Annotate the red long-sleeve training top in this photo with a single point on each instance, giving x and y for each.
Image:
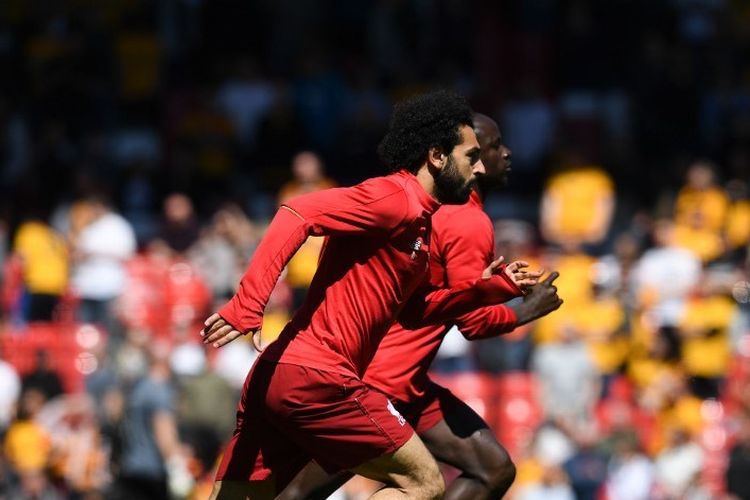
(463, 243)
(376, 256)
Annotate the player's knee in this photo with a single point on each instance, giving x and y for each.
(431, 482)
(502, 476)
(499, 472)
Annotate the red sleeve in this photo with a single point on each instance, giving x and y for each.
(468, 248)
(487, 322)
(464, 242)
(377, 204)
(435, 306)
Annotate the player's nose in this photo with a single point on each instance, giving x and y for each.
(507, 153)
(478, 168)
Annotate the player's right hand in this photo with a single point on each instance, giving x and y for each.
(217, 331)
(540, 300)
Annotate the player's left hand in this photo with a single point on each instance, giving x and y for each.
(217, 331)
(522, 277)
(493, 269)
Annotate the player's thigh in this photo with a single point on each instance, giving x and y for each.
(240, 490)
(409, 467)
(463, 439)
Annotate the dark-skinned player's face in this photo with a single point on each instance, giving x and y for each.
(496, 156)
(454, 182)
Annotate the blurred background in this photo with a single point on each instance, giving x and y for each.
(145, 145)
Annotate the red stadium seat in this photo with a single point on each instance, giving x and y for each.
(518, 413)
(474, 389)
(66, 344)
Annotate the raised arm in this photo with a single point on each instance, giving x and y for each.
(375, 205)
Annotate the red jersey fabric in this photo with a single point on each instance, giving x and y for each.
(375, 258)
(463, 243)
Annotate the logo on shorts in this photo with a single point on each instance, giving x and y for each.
(416, 246)
(395, 413)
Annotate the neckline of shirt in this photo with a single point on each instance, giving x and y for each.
(428, 202)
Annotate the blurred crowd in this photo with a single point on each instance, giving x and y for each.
(144, 145)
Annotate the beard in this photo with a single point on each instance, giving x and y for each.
(450, 186)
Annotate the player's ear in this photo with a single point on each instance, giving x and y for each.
(436, 157)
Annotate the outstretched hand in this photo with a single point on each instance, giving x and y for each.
(217, 331)
(522, 278)
(540, 300)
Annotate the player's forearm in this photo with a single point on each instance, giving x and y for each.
(487, 322)
(439, 306)
(286, 233)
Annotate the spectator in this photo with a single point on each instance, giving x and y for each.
(737, 229)
(223, 248)
(179, 226)
(569, 380)
(577, 206)
(587, 469)
(309, 176)
(738, 469)
(77, 456)
(10, 390)
(151, 463)
(664, 275)
(704, 331)
(631, 473)
(43, 379)
(701, 198)
(44, 259)
(576, 269)
(101, 241)
(27, 444)
(554, 485)
(678, 466)
(604, 329)
(700, 212)
(206, 400)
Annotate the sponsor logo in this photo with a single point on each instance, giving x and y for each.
(416, 246)
(395, 413)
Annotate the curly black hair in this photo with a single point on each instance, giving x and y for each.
(421, 122)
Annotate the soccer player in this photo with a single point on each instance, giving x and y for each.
(462, 244)
(304, 398)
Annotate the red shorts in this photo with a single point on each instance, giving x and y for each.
(426, 412)
(290, 414)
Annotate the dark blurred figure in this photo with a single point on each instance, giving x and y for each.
(308, 176)
(43, 378)
(179, 226)
(738, 470)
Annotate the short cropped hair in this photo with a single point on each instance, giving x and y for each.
(420, 123)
